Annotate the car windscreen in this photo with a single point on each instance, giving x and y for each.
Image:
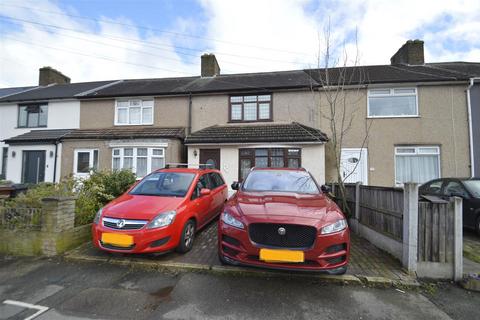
(167, 184)
(280, 181)
(473, 186)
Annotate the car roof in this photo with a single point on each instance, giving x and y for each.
(188, 170)
(282, 169)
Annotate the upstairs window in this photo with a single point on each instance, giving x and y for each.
(395, 102)
(134, 112)
(251, 108)
(32, 116)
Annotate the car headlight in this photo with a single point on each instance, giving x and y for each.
(227, 218)
(98, 215)
(162, 220)
(335, 227)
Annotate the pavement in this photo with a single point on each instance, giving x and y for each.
(77, 291)
(368, 264)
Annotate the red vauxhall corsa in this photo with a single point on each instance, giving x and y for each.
(281, 219)
(161, 212)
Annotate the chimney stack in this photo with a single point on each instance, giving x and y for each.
(210, 67)
(48, 75)
(410, 53)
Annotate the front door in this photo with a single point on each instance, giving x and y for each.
(33, 167)
(353, 166)
(210, 157)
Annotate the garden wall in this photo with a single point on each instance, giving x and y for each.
(48, 230)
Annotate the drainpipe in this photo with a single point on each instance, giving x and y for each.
(470, 126)
(189, 128)
(55, 163)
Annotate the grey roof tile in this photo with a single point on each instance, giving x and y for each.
(36, 136)
(274, 132)
(126, 133)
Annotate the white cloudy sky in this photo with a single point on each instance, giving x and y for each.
(90, 40)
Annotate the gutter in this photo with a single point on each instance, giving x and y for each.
(470, 125)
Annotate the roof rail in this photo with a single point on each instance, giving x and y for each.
(189, 165)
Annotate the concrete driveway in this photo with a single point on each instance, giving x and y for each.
(108, 291)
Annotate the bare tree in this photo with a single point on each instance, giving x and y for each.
(341, 91)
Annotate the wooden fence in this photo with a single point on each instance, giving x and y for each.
(380, 208)
(435, 231)
(425, 235)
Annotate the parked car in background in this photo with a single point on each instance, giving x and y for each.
(279, 218)
(467, 188)
(161, 212)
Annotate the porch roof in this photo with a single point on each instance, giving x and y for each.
(126, 133)
(39, 136)
(253, 133)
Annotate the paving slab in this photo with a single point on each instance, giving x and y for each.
(366, 261)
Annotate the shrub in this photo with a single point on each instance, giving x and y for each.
(99, 189)
(32, 198)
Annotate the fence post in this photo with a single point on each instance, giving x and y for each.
(410, 226)
(357, 200)
(458, 240)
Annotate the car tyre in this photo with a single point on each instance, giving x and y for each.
(222, 260)
(188, 235)
(477, 226)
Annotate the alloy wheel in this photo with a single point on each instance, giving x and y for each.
(189, 234)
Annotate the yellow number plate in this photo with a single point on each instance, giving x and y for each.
(121, 240)
(268, 255)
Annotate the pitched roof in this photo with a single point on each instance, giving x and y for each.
(395, 73)
(39, 136)
(261, 81)
(126, 133)
(55, 91)
(9, 91)
(287, 132)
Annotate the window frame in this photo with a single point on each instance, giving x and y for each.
(230, 104)
(130, 106)
(91, 159)
(134, 157)
(27, 125)
(393, 94)
(416, 153)
(252, 157)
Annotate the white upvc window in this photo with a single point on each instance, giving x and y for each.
(140, 160)
(392, 102)
(85, 161)
(134, 112)
(416, 164)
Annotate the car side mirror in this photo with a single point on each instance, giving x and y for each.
(204, 192)
(235, 185)
(325, 189)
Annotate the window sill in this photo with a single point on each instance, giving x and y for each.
(30, 127)
(249, 121)
(392, 117)
(131, 124)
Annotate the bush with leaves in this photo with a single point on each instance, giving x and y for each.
(32, 198)
(99, 189)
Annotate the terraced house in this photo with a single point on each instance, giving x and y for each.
(413, 121)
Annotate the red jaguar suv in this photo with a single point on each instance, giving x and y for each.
(161, 212)
(280, 218)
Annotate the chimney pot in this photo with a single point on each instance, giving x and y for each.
(48, 75)
(410, 53)
(210, 67)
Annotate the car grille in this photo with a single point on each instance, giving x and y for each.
(114, 247)
(296, 236)
(117, 224)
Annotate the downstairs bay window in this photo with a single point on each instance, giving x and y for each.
(416, 164)
(140, 160)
